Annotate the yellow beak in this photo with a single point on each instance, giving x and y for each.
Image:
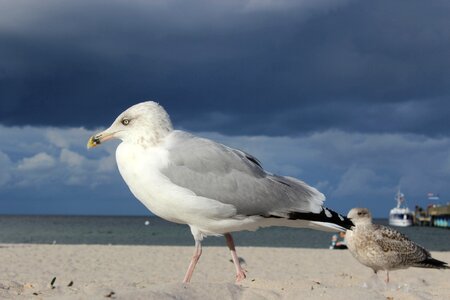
(97, 139)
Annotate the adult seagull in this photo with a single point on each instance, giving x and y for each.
(212, 188)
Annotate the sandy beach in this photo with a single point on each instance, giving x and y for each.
(155, 272)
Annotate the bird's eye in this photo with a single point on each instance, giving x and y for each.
(125, 121)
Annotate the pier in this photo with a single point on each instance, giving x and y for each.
(435, 215)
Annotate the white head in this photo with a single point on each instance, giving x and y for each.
(145, 123)
(360, 216)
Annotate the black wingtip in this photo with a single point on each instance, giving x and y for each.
(433, 263)
(326, 215)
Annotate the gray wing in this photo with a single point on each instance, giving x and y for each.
(234, 177)
(398, 246)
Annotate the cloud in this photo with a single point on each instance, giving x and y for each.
(5, 165)
(40, 161)
(237, 67)
(359, 181)
(48, 170)
(72, 159)
(36, 156)
(351, 96)
(307, 7)
(351, 169)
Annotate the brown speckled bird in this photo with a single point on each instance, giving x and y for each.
(383, 248)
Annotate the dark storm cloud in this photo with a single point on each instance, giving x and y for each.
(238, 67)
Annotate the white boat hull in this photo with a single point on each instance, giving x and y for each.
(401, 217)
(400, 222)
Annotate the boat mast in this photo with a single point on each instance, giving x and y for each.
(400, 198)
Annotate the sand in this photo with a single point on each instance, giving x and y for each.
(155, 272)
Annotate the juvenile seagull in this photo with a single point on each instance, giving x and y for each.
(382, 248)
(213, 188)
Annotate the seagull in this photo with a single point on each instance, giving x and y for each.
(382, 248)
(213, 188)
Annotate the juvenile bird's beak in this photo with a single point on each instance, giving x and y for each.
(99, 138)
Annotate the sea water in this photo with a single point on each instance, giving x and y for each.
(143, 230)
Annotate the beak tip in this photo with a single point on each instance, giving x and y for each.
(91, 143)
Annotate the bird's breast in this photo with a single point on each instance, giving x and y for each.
(140, 170)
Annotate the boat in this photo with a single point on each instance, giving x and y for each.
(401, 215)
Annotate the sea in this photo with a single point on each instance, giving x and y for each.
(145, 230)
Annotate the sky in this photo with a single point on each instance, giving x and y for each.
(350, 96)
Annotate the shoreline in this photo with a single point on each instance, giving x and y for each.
(8, 245)
(156, 272)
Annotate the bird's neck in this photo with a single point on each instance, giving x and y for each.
(153, 138)
(150, 136)
(363, 225)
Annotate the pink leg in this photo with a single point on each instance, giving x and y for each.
(194, 260)
(240, 272)
(387, 276)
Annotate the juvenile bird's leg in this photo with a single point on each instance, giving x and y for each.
(387, 276)
(240, 272)
(194, 260)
